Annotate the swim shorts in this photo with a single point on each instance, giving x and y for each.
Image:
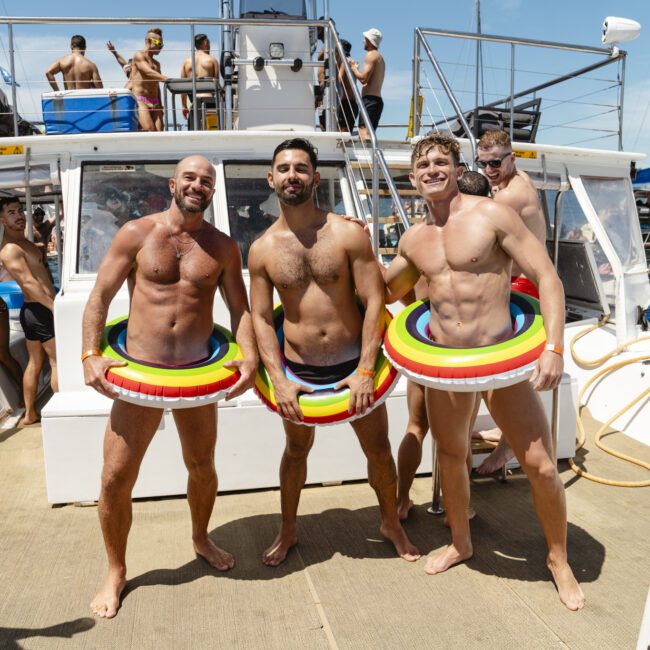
(323, 374)
(37, 322)
(523, 284)
(374, 106)
(347, 113)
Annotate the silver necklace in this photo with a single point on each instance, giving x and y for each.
(174, 239)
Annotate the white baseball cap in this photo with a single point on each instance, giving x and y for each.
(374, 36)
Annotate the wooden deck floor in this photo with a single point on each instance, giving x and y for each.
(341, 588)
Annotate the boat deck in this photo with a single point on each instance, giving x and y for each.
(342, 587)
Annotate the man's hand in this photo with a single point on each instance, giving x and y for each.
(111, 47)
(548, 371)
(247, 369)
(95, 368)
(186, 112)
(362, 392)
(286, 399)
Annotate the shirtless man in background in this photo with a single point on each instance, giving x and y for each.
(464, 249)
(371, 78)
(315, 260)
(145, 81)
(79, 72)
(205, 64)
(23, 260)
(513, 188)
(174, 262)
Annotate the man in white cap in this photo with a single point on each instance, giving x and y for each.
(371, 78)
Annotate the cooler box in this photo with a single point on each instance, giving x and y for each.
(96, 110)
(10, 292)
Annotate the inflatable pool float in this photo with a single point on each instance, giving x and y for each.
(150, 384)
(325, 405)
(409, 348)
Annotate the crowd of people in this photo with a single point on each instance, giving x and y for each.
(144, 76)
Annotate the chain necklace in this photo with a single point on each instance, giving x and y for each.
(174, 238)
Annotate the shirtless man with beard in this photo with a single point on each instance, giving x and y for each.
(513, 188)
(174, 262)
(464, 249)
(316, 260)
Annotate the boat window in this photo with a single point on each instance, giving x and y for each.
(265, 8)
(613, 201)
(253, 206)
(111, 195)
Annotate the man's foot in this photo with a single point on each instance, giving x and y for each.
(471, 513)
(107, 601)
(497, 459)
(403, 508)
(397, 536)
(277, 552)
(489, 435)
(567, 586)
(26, 420)
(216, 557)
(446, 559)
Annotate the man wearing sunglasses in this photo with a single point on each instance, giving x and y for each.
(145, 80)
(511, 187)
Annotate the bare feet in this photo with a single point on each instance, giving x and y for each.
(107, 601)
(489, 435)
(277, 552)
(446, 559)
(26, 420)
(397, 536)
(403, 508)
(567, 586)
(216, 557)
(471, 513)
(497, 459)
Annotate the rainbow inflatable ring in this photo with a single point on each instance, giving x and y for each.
(325, 405)
(409, 348)
(149, 384)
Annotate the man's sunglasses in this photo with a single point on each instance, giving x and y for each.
(495, 164)
(155, 41)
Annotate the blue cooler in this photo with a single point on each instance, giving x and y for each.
(10, 292)
(96, 110)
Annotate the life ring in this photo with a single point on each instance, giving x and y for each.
(325, 405)
(150, 384)
(487, 367)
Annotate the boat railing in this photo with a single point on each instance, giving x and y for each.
(586, 106)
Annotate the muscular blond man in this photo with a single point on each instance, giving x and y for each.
(174, 262)
(316, 261)
(371, 78)
(205, 66)
(24, 261)
(512, 187)
(145, 81)
(465, 249)
(79, 72)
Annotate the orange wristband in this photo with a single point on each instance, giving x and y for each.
(553, 347)
(90, 353)
(366, 373)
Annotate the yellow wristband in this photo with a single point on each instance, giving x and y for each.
(90, 353)
(366, 373)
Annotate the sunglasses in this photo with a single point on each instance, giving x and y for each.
(495, 164)
(155, 41)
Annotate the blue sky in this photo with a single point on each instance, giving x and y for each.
(578, 21)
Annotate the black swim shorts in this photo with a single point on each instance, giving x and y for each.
(346, 114)
(323, 374)
(37, 322)
(374, 105)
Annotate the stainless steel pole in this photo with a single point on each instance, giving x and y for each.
(12, 68)
(195, 108)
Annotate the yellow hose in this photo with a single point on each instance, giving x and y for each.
(601, 374)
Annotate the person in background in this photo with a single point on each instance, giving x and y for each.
(371, 78)
(79, 72)
(126, 65)
(347, 107)
(145, 81)
(24, 262)
(205, 66)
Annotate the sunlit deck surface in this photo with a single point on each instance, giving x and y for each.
(342, 587)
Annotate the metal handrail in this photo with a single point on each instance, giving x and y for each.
(378, 159)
